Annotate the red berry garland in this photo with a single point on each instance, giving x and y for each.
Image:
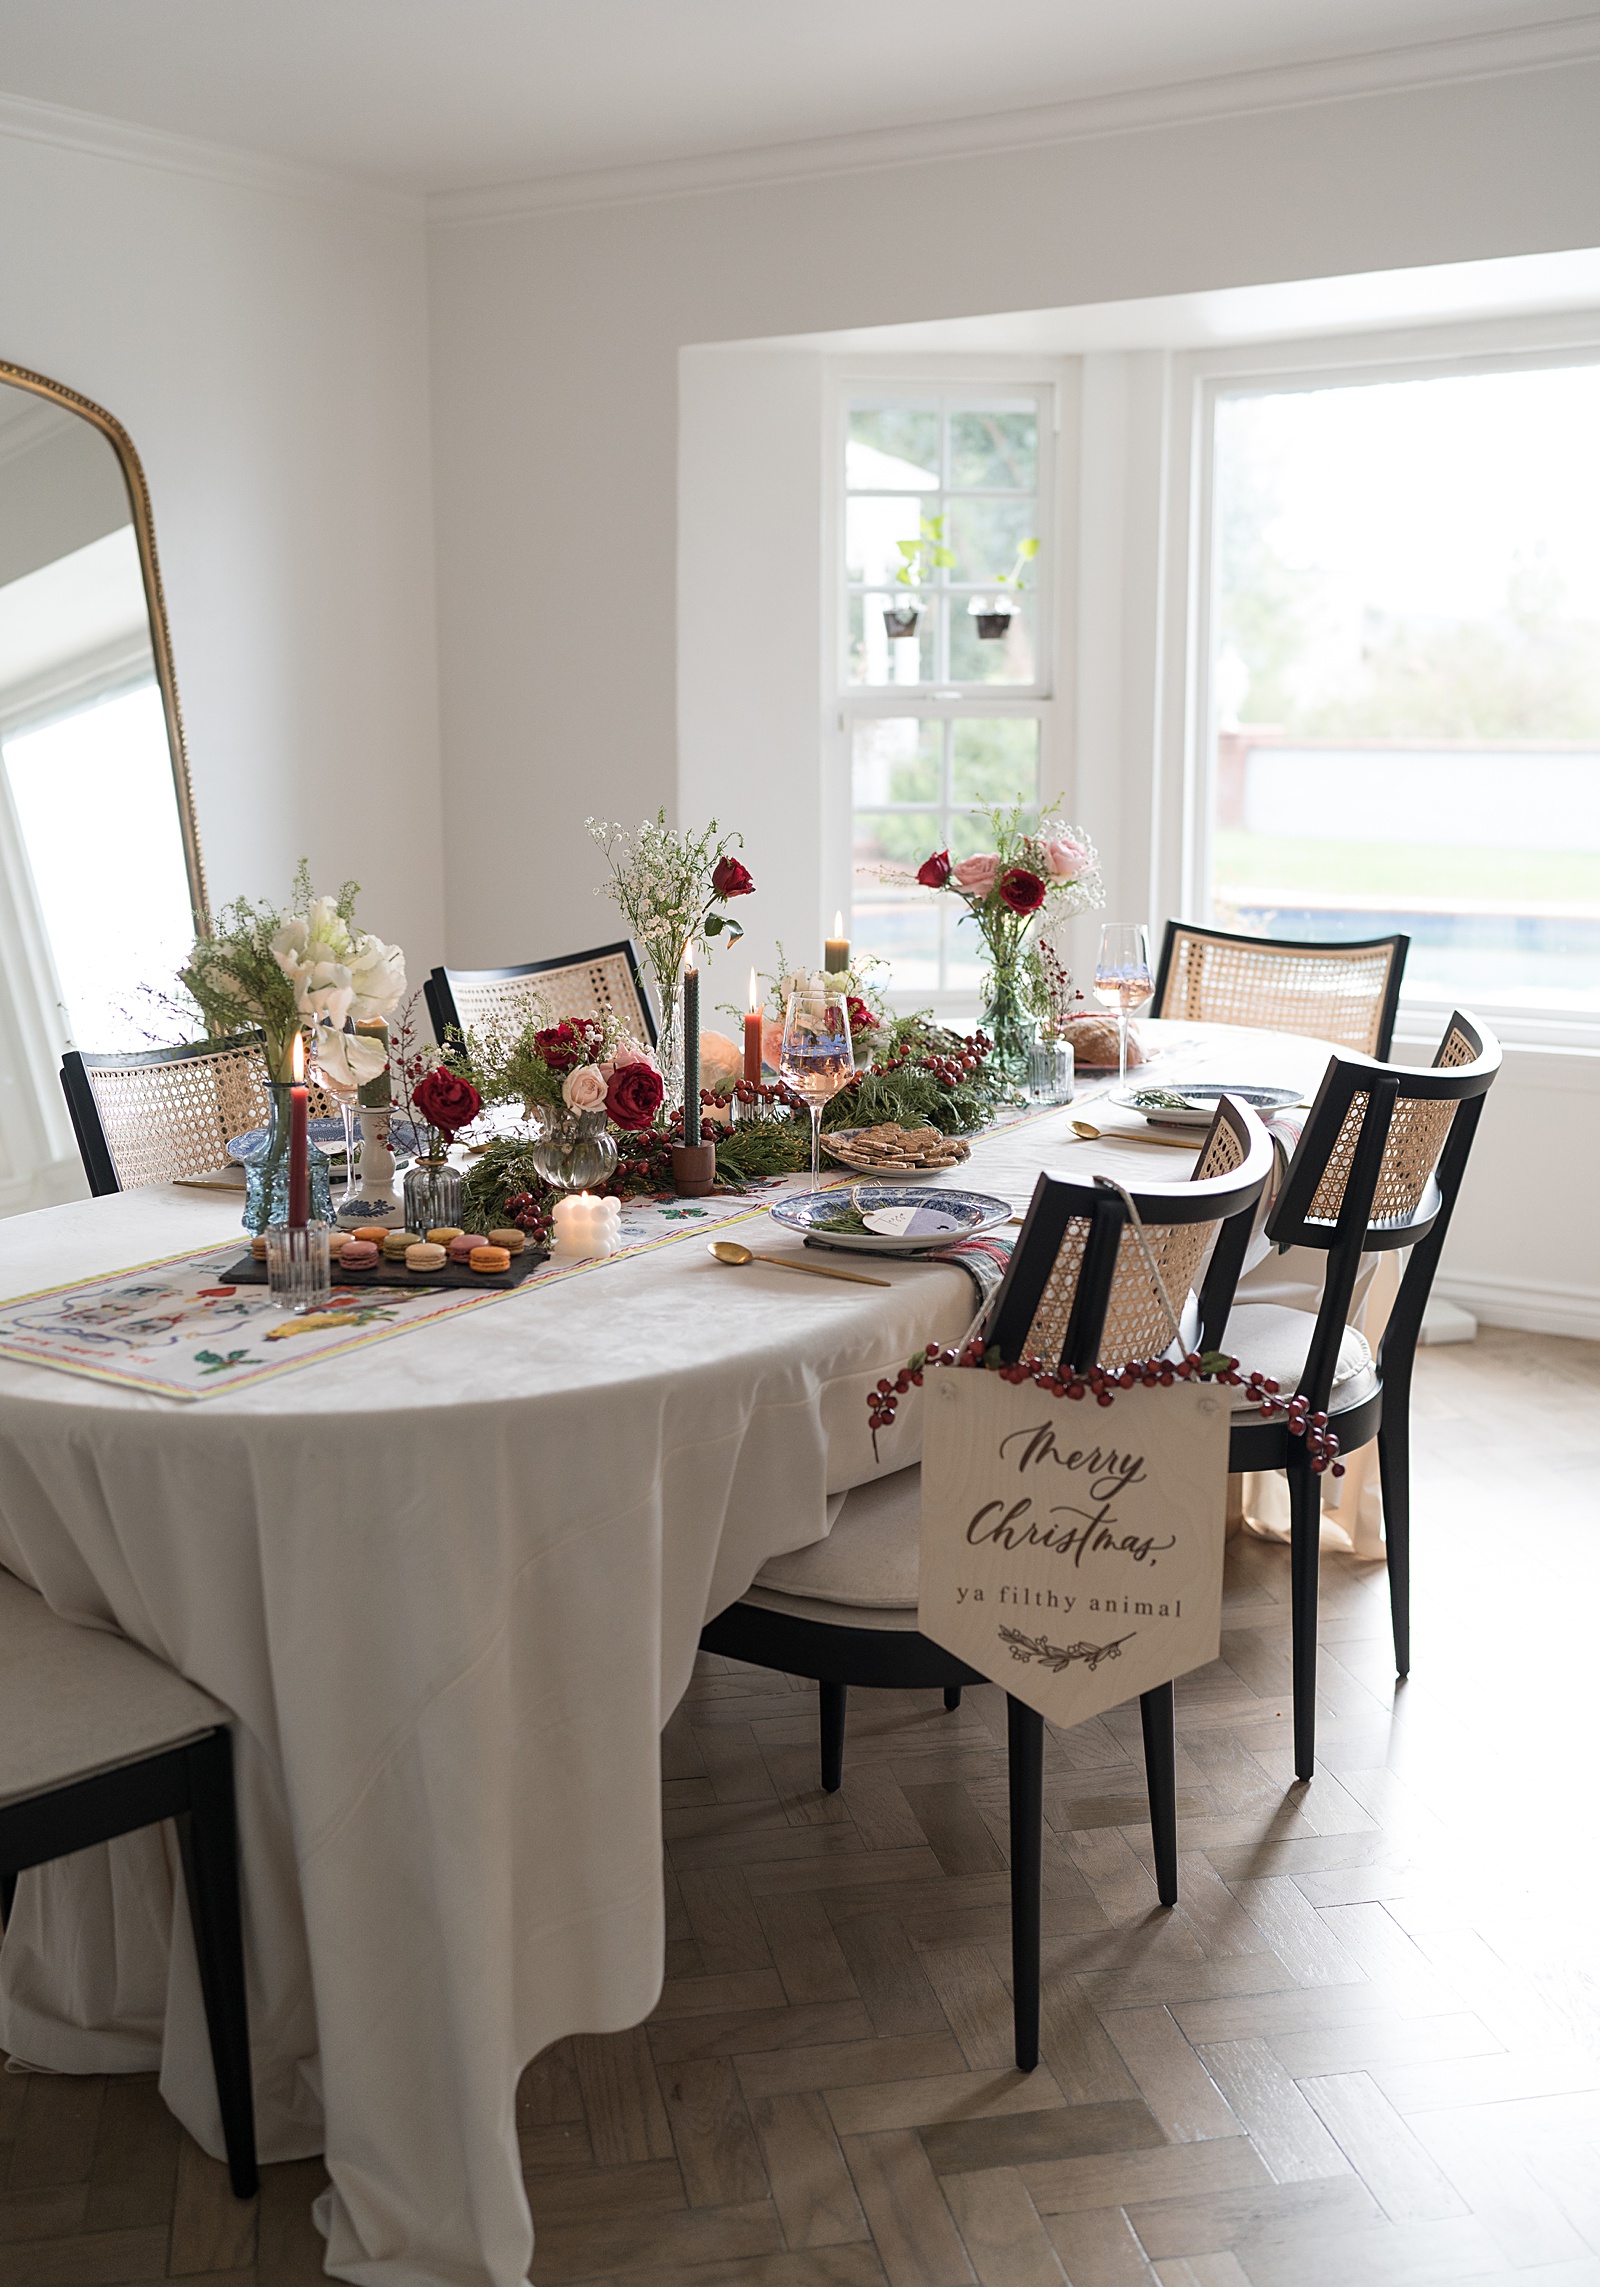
(1322, 1443)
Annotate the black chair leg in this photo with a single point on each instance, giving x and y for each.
(1157, 1714)
(952, 1697)
(1394, 1475)
(831, 1700)
(1305, 1548)
(1025, 1745)
(208, 1838)
(8, 1892)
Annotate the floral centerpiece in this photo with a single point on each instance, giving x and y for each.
(671, 886)
(1038, 866)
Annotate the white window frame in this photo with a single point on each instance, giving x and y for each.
(1047, 700)
(1181, 858)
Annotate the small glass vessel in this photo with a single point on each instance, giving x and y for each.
(298, 1275)
(573, 1150)
(266, 1171)
(432, 1193)
(1050, 1069)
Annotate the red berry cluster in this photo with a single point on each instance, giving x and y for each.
(776, 1092)
(528, 1215)
(1322, 1444)
(950, 1067)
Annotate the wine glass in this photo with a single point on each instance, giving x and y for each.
(329, 1067)
(816, 1057)
(1123, 979)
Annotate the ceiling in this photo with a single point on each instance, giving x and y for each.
(441, 95)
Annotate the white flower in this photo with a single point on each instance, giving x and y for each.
(347, 1059)
(378, 974)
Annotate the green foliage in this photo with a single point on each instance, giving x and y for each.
(237, 984)
(1026, 551)
(924, 1076)
(761, 1148)
(924, 555)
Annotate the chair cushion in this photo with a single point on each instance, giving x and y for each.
(869, 1558)
(74, 1701)
(1269, 1338)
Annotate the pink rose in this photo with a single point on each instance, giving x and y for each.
(1065, 859)
(976, 875)
(584, 1090)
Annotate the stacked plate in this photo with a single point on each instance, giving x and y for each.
(897, 1218)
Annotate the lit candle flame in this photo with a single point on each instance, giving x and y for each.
(838, 925)
(755, 998)
(297, 1058)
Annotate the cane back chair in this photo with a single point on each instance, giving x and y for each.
(844, 1609)
(167, 1112)
(97, 1739)
(602, 982)
(1346, 993)
(1378, 1165)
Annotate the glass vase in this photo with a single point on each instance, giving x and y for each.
(1004, 1018)
(432, 1194)
(574, 1150)
(266, 1170)
(669, 1047)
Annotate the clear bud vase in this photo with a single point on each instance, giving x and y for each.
(266, 1171)
(432, 1193)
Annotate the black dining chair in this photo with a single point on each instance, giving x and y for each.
(604, 981)
(163, 1113)
(1378, 1166)
(1345, 992)
(97, 1738)
(843, 1609)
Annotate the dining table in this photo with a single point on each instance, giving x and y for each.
(450, 1587)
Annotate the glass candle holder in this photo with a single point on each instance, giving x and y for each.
(297, 1267)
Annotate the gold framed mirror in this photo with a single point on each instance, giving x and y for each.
(102, 888)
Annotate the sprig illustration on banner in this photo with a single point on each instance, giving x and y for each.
(1102, 1384)
(1054, 1657)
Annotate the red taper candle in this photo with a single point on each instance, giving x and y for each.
(752, 1034)
(299, 1104)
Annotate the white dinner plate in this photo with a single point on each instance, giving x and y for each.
(1191, 1103)
(958, 1215)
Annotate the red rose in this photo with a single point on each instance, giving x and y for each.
(934, 872)
(861, 1017)
(566, 1045)
(633, 1095)
(446, 1101)
(1021, 890)
(731, 879)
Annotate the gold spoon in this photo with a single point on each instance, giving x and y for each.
(1086, 1134)
(730, 1251)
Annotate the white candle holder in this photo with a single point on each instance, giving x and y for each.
(298, 1277)
(586, 1226)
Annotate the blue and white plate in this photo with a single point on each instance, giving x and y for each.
(932, 1217)
(1191, 1103)
(328, 1136)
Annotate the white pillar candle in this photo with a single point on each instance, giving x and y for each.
(585, 1226)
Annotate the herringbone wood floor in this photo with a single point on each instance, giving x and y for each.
(1366, 2047)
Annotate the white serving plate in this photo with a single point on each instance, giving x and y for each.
(973, 1212)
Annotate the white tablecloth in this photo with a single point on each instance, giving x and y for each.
(451, 1585)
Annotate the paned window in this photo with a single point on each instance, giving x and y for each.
(944, 673)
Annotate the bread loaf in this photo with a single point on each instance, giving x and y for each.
(1094, 1043)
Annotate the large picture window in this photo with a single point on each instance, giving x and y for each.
(1405, 675)
(944, 673)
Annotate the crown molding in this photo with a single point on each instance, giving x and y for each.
(1489, 55)
(24, 120)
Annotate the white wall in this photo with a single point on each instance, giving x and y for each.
(267, 354)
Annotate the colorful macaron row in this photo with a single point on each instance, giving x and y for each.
(363, 1248)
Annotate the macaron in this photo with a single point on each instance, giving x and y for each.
(358, 1255)
(512, 1241)
(444, 1234)
(395, 1244)
(258, 1247)
(376, 1232)
(425, 1256)
(490, 1259)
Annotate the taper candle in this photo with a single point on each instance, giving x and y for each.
(299, 1102)
(752, 1033)
(836, 949)
(691, 1049)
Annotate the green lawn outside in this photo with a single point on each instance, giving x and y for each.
(1242, 861)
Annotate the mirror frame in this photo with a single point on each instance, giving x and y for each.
(57, 393)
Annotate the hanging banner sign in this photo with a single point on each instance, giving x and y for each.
(1073, 1552)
